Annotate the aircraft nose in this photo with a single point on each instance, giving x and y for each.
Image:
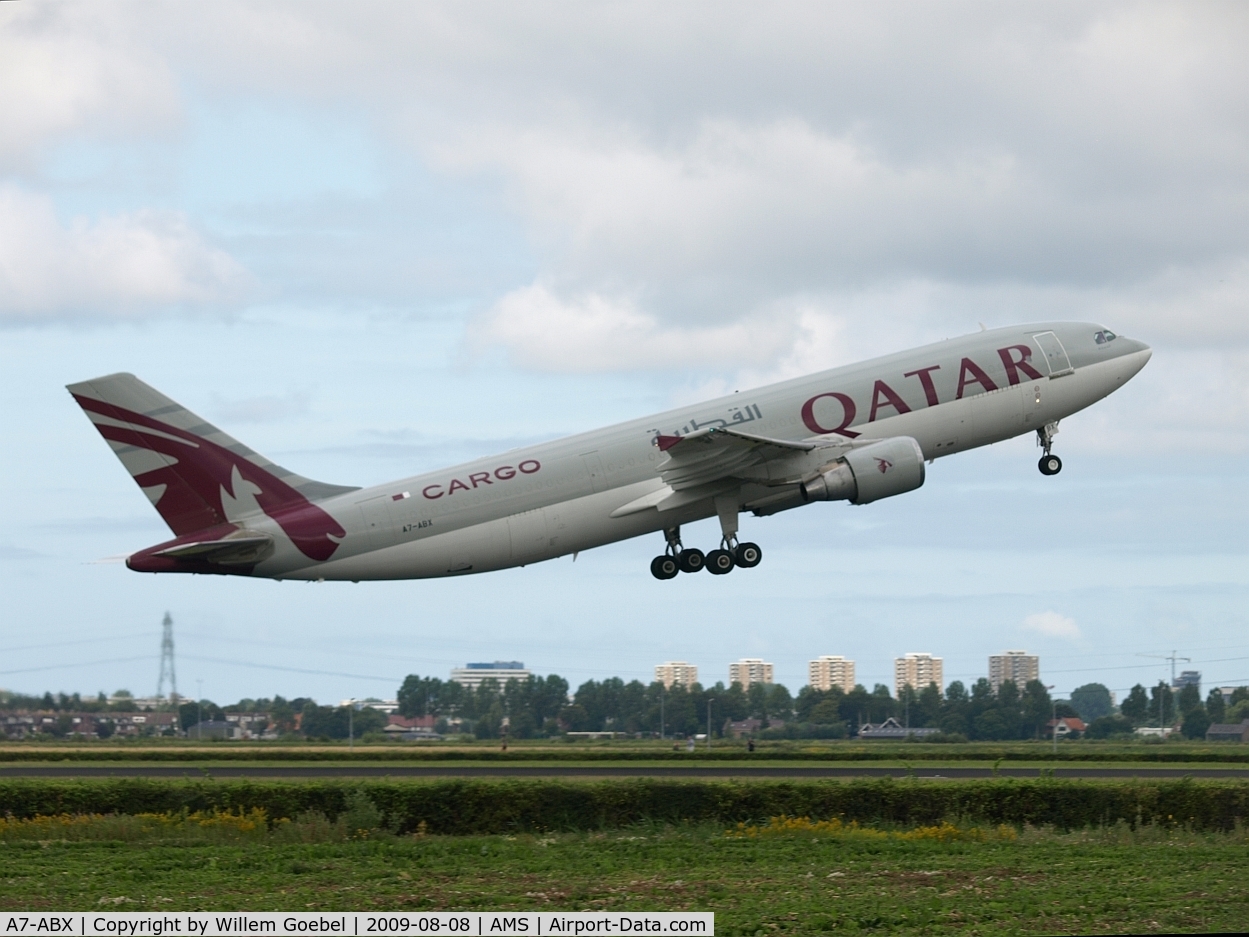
(1133, 356)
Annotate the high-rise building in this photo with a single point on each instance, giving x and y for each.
(471, 676)
(827, 671)
(676, 671)
(916, 670)
(750, 670)
(1018, 666)
(1186, 678)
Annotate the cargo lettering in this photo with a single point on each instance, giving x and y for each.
(503, 473)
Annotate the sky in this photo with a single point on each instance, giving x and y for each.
(374, 239)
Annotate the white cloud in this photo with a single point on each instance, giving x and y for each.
(1032, 149)
(779, 194)
(66, 68)
(561, 330)
(591, 332)
(1052, 625)
(121, 265)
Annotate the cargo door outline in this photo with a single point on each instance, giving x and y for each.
(1054, 353)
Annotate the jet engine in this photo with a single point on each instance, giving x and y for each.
(868, 473)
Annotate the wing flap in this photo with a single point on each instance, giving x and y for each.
(714, 454)
(665, 499)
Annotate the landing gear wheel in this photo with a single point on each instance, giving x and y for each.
(720, 562)
(747, 555)
(691, 560)
(664, 567)
(1050, 465)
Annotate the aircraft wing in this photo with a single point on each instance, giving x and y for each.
(715, 460)
(712, 454)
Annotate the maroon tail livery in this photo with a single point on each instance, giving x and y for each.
(198, 477)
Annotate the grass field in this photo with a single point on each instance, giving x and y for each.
(653, 751)
(207, 765)
(801, 878)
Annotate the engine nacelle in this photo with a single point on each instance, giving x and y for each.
(883, 469)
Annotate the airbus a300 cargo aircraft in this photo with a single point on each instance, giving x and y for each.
(857, 433)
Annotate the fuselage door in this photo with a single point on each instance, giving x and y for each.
(378, 525)
(1055, 354)
(594, 469)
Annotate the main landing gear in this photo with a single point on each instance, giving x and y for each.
(1049, 464)
(678, 559)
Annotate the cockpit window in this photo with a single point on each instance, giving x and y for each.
(1103, 337)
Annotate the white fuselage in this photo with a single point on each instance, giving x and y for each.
(557, 498)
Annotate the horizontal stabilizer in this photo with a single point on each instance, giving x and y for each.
(248, 549)
(214, 550)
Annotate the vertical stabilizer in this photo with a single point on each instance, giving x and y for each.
(197, 476)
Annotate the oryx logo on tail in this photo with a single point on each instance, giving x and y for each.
(197, 477)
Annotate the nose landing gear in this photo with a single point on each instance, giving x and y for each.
(1049, 464)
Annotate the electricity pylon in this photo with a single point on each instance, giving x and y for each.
(1172, 658)
(166, 662)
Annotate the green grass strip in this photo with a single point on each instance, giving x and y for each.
(1075, 752)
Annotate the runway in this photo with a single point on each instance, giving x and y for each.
(725, 772)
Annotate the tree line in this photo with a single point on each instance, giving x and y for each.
(541, 707)
(1163, 706)
(67, 702)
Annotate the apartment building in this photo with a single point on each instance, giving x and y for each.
(828, 671)
(676, 671)
(917, 670)
(1019, 666)
(750, 670)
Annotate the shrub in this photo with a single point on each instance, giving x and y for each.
(947, 737)
(361, 815)
(1105, 727)
(805, 730)
(464, 806)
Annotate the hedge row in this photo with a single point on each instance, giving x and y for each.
(487, 806)
(1216, 753)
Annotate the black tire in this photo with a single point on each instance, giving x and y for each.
(1050, 465)
(691, 561)
(747, 555)
(664, 567)
(720, 562)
